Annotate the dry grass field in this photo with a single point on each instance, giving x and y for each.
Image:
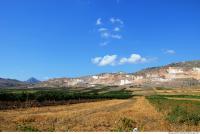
(106, 115)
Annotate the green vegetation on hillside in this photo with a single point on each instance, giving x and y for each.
(187, 64)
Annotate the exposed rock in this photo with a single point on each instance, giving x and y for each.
(178, 74)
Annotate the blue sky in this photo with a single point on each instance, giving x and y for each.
(70, 38)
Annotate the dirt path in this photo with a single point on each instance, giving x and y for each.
(146, 116)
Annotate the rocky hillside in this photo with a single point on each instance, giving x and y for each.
(175, 74)
(10, 83)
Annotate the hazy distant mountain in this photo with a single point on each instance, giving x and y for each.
(175, 74)
(10, 83)
(4, 83)
(32, 80)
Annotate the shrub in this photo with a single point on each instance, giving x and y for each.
(181, 115)
(178, 114)
(163, 88)
(27, 128)
(126, 125)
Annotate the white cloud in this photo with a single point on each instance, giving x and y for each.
(96, 60)
(116, 29)
(119, 21)
(116, 36)
(105, 43)
(116, 20)
(106, 60)
(112, 20)
(170, 51)
(102, 29)
(133, 59)
(98, 22)
(105, 35)
(114, 60)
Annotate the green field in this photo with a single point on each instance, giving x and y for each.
(178, 111)
(62, 94)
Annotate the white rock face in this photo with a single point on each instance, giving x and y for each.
(161, 79)
(125, 82)
(196, 69)
(75, 82)
(139, 77)
(95, 77)
(148, 75)
(174, 70)
(153, 76)
(105, 76)
(65, 81)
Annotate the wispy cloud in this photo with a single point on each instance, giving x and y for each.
(98, 21)
(108, 35)
(114, 60)
(170, 51)
(105, 35)
(102, 29)
(116, 29)
(105, 43)
(116, 36)
(109, 30)
(116, 20)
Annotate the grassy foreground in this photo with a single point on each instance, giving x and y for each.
(117, 111)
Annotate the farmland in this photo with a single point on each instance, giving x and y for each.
(17, 98)
(148, 109)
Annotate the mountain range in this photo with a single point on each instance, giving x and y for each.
(173, 75)
(32, 80)
(10, 83)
